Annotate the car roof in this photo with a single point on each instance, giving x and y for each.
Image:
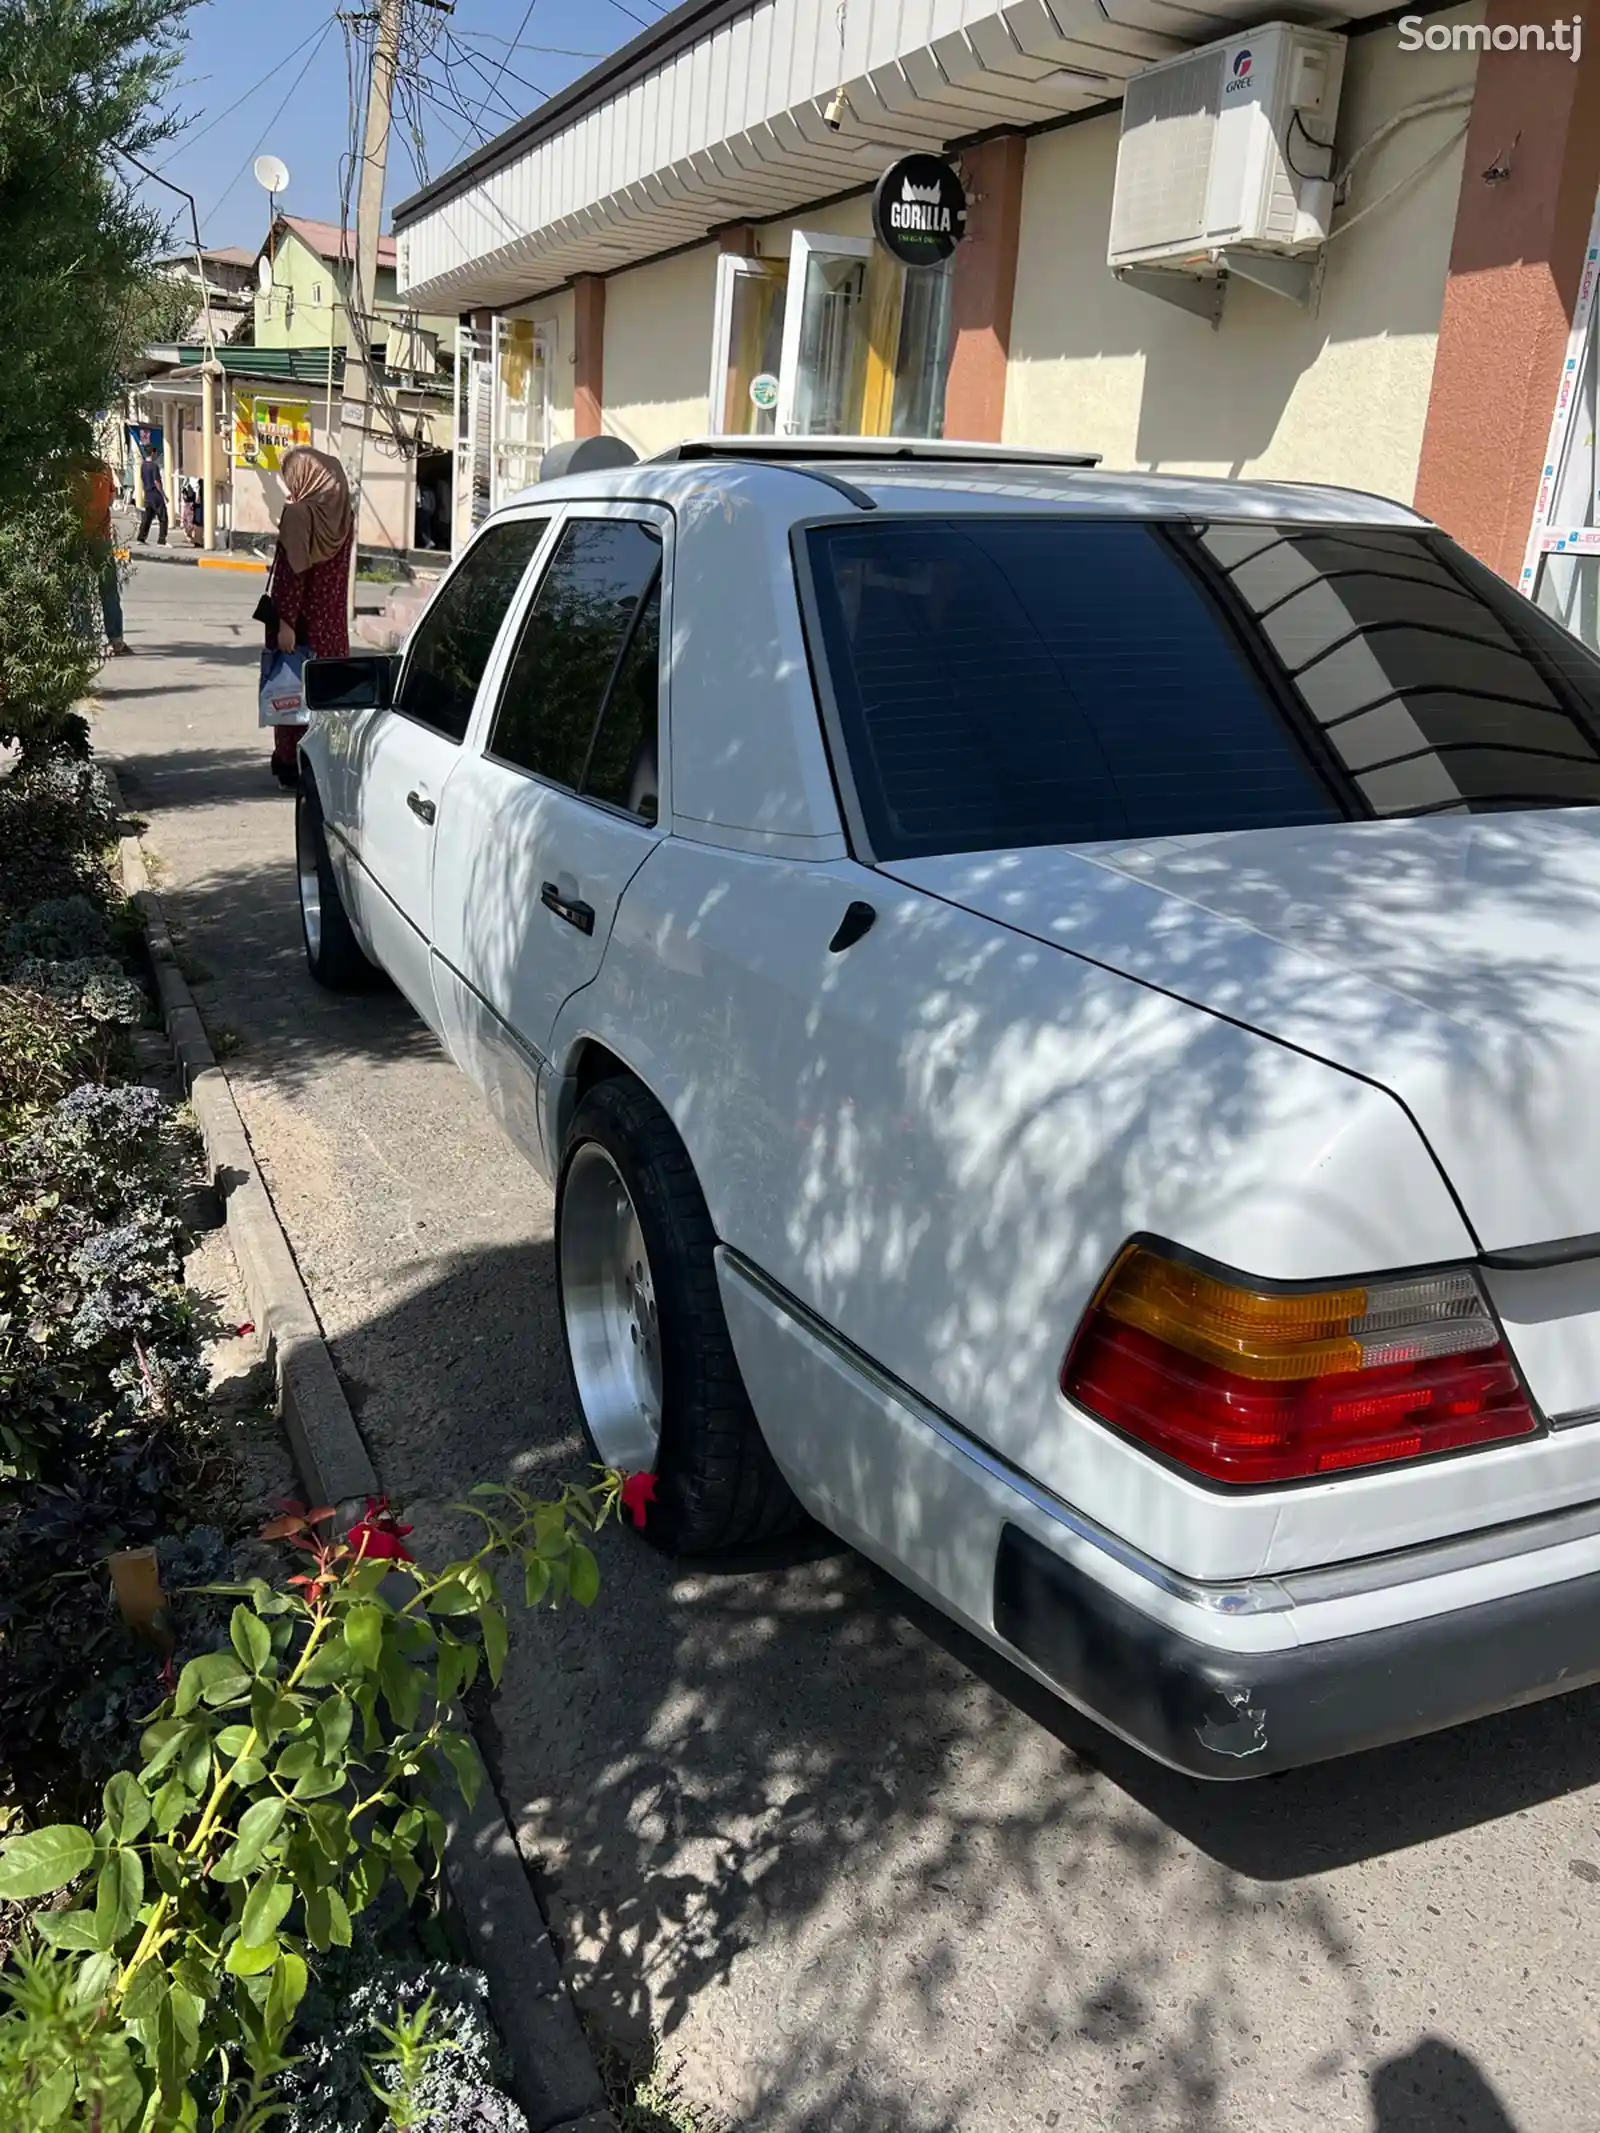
(793, 488)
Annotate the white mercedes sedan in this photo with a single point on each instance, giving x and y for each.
(1062, 1011)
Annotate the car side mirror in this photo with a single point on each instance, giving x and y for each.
(361, 681)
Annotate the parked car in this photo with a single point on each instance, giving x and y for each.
(1062, 1011)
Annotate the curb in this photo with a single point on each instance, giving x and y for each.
(553, 2075)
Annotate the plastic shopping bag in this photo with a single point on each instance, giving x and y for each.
(283, 701)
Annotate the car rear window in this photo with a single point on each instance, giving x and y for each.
(1035, 681)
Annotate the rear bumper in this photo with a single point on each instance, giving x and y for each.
(1227, 1714)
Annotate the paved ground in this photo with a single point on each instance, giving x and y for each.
(859, 1874)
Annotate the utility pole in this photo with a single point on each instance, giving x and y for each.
(369, 223)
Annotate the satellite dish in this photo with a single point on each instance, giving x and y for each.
(264, 274)
(272, 173)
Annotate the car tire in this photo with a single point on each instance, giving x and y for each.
(334, 957)
(718, 1488)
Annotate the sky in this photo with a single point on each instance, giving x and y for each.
(273, 80)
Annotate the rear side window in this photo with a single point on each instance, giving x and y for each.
(573, 645)
(1438, 689)
(1012, 682)
(1032, 681)
(452, 643)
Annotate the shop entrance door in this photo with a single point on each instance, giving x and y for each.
(840, 341)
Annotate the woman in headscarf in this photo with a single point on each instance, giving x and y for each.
(307, 602)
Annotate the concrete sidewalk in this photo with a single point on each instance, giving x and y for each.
(863, 1876)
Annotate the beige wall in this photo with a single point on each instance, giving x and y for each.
(844, 218)
(1338, 396)
(658, 350)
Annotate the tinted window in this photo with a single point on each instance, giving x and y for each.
(575, 634)
(1436, 687)
(622, 762)
(453, 641)
(1034, 681)
(1006, 682)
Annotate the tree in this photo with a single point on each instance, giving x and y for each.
(79, 80)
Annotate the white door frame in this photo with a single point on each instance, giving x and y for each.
(1575, 400)
(801, 248)
(732, 268)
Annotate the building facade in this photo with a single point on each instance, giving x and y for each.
(683, 242)
(304, 300)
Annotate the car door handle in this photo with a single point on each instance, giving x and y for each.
(424, 810)
(570, 908)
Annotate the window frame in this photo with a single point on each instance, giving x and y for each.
(1318, 754)
(490, 677)
(660, 520)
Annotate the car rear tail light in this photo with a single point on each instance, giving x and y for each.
(1243, 1386)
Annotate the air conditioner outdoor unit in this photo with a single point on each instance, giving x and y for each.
(1229, 148)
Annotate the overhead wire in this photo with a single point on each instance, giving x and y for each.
(494, 79)
(187, 141)
(311, 57)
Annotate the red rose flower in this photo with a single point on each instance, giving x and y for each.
(638, 1493)
(380, 1533)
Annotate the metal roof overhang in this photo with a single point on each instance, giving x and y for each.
(714, 115)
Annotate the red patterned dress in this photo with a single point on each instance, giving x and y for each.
(316, 603)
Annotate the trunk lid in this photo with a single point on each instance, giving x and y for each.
(1453, 961)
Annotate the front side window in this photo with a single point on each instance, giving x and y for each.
(451, 645)
(1054, 681)
(574, 647)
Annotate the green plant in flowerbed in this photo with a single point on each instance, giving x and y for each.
(286, 1780)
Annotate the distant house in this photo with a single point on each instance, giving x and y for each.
(228, 286)
(307, 302)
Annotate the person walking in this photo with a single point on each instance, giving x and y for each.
(153, 495)
(98, 493)
(307, 598)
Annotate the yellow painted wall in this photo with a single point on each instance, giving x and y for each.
(1340, 396)
(658, 350)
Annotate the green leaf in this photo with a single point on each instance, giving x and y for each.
(363, 1632)
(127, 1806)
(250, 1638)
(299, 1757)
(332, 1727)
(406, 1872)
(41, 1861)
(194, 1763)
(402, 1689)
(90, 1985)
(330, 1662)
(535, 1579)
(159, 1743)
(118, 1893)
(145, 1994)
(585, 1575)
(338, 1919)
(451, 1598)
(319, 1920)
(317, 1784)
(73, 1932)
(330, 1825)
(168, 1873)
(171, 1804)
(265, 1910)
(232, 1741)
(494, 1641)
(289, 1981)
(447, 1673)
(243, 1960)
(258, 1825)
(463, 1759)
(367, 1877)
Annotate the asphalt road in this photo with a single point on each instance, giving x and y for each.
(857, 1873)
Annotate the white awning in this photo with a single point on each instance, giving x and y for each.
(715, 115)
